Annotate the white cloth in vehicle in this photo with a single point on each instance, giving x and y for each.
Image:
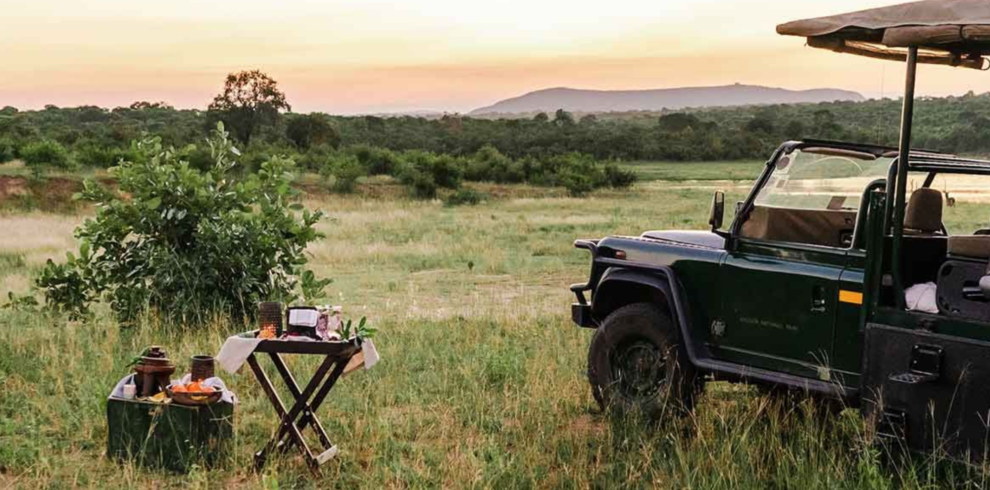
(921, 297)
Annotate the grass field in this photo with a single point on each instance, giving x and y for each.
(703, 171)
(482, 382)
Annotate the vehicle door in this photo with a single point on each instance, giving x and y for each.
(781, 274)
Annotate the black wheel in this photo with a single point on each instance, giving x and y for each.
(636, 363)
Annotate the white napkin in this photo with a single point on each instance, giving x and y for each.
(235, 352)
(368, 357)
(118, 391)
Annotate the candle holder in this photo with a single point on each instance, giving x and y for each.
(269, 320)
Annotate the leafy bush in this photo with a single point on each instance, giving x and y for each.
(445, 170)
(345, 170)
(464, 196)
(187, 243)
(489, 164)
(617, 177)
(307, 130)
(420, 184)
(315, 159)
(424, 172)
(378, 161)
(8, 150)
(578, 173)
(46, 152)
(95, 155)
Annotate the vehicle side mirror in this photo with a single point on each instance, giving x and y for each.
(717, 212)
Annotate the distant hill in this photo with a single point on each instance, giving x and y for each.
(577, 100)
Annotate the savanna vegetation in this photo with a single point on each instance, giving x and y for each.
(180, 226)
(482, 382)
(95, 136)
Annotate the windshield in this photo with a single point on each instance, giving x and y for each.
(821, 179)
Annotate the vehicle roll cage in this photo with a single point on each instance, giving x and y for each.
(895, 185)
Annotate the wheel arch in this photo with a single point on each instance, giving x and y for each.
(621, 287)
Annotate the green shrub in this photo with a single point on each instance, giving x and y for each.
(445, 170)
(189, 244)
(378, 161)
(464, 196)
(345, 170)
(307, 130)
(617, 177)
(8, 150)
(423, 172)
(46, 153)
(420, 184)
(577, 183)
(489, 164)
(93, 155)
(315, 159)
(99, 156)
(578, 173)
(200, 157)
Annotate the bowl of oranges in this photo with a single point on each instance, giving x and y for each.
(193, 393)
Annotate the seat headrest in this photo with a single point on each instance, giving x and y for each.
(924, 211)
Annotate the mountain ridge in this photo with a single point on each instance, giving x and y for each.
(589, 100)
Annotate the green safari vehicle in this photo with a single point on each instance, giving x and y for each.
(837, 277)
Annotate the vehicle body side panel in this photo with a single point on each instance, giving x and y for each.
(847, 345)
(696, 267)
(780, 306)
(946, 411)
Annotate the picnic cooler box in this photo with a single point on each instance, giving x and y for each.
(169, 436)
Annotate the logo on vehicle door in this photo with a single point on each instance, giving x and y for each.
(718, 328)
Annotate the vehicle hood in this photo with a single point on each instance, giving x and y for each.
(700, 238)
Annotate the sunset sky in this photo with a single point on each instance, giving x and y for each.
(354, 56)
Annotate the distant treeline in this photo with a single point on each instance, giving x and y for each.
(93, 136)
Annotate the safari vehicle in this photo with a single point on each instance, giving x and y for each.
(837, 277)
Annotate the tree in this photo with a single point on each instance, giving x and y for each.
(190, 244)
(678, 121)
(142, 105)
(588, 120)
(760, 124)
(250, 100)
(563, 118)
(310, 130)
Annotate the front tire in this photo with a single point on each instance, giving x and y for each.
(637, 363)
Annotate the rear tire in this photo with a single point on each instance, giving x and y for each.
(637, 363)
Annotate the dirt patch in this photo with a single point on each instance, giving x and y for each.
(12, 186)
(52, 195)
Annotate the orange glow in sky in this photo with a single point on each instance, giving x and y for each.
(354, 56)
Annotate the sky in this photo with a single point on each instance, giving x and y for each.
(371, 56)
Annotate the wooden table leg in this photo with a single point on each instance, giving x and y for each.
(288, 424)
(310, 414)
(307, 414)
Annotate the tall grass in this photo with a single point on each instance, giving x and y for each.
(482, 382)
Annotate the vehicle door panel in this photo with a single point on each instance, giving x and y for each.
(779, 305)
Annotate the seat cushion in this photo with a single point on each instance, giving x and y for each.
(924, 211)
(972, 246)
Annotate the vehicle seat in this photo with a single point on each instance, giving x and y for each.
(923, 215)
(970, 246)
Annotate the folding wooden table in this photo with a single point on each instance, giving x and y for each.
(302, 414)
